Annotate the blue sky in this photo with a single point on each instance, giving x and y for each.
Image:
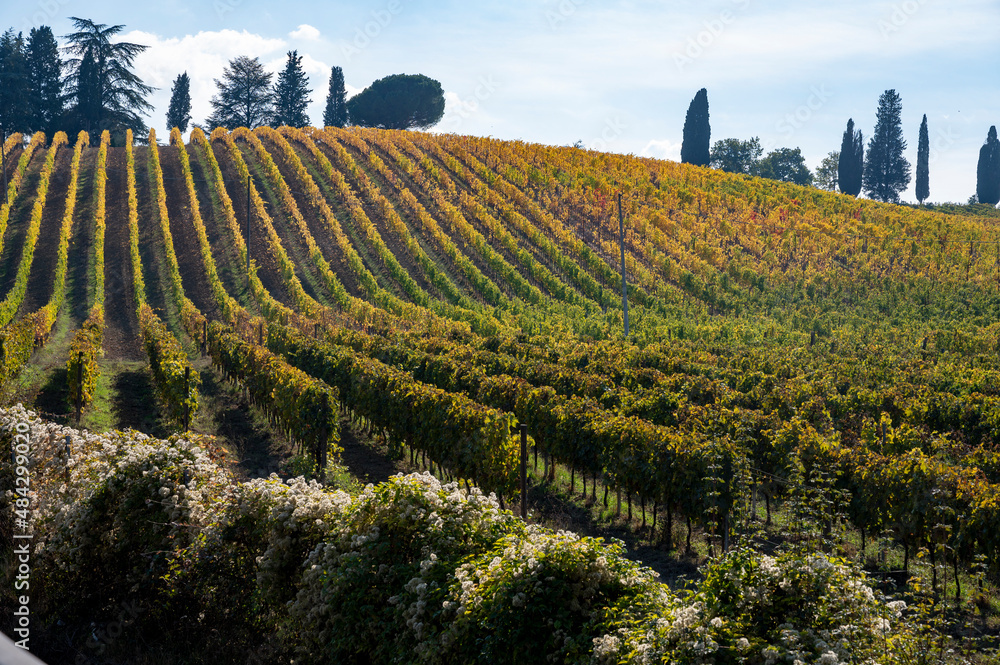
(616, 75)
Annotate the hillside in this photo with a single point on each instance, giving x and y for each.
(833, 359)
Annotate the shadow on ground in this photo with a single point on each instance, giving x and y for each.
(134, 404)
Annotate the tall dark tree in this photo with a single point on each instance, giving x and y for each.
(14, 84)
(291, 94)
(988, 170)
(179, 111)
(335, 113)
(102, 89)
(786, 165)
(887, 172)
(400, 101)
(850, 165)
(245, 97)
(697, 131)
(736, 156)
(45, 80)
(923, 162)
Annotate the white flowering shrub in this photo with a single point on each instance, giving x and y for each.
(538, 597)
(109, 516)
(377, 584)
(245, 565)
(753, 608)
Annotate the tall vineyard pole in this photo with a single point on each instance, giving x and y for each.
(621, 243)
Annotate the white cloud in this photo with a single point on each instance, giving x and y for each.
(306, 32)
(662, 149)
(203, 56)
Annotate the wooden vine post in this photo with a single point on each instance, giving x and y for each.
(187, 398)
(524, 470)
(79, 386)
(3, 162)
(621, 242)
(249, 271)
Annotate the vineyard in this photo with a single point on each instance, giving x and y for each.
(785, 352)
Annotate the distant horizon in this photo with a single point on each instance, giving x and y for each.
(619, 78)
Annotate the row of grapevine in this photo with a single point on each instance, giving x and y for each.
(15, 139)
(19, 339)
(456, 305)
(187, 309)
(459, 225)
(273, 175)
(583, 260)
(304, 408)
(175, 381)
(473, 205)
(37, 141)
(270, 308)
(226, 303)
(471, 440)
(12, 303)
(51, 309)
(81, 366)
(489, 291)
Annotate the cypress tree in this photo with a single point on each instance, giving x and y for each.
(45, 80)
(923, 159)
(988, 171)
(335, 113)
(179, 112)
(887, 172)
(850, 164)
(291, 94)
(697, 132)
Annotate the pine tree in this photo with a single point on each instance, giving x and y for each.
(245, 98)
(400, 101)
(45, 80)
(923, 163)
(291, 94)
(988, 171)
(179, 112)
(103, 91)
(850, 164)
(335, 113)
(697, 131)
(887, 172)
(14, 84)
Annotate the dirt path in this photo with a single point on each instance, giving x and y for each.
(121, 334)
(43, 267)
(185, 239)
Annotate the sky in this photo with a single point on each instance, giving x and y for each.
(616, 75)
